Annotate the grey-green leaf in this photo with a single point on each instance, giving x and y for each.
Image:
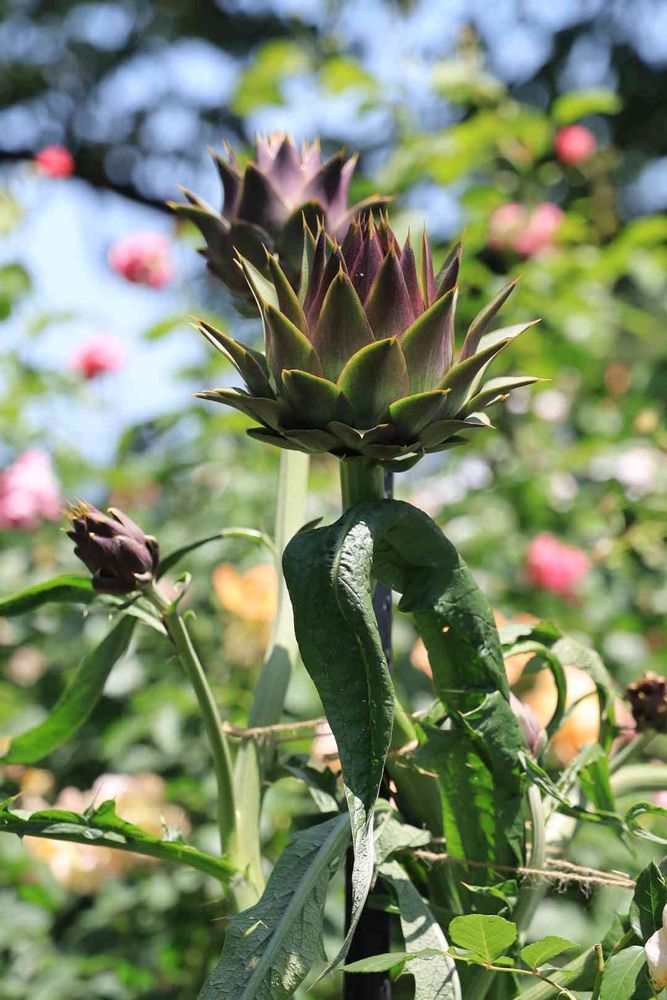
(435, 975)
(102, 827)
(77, 701)
(270, 948)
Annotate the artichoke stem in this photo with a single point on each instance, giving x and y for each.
(360, 481)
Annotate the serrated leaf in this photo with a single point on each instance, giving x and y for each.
(621, 977)
(486, 936)
(77, 701)
(271, 947)
(539, 952)
(66, 589)
(648, 902)
(102, 827)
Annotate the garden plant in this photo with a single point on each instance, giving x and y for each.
(449, 824)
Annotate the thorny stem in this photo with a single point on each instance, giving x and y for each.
(222, 761)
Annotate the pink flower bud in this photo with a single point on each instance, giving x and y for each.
(56, 161)
(552, 565)
(144, 259)
(99, 354)
(29, 492)
(574, 144)
(525, 231)
(533, 733)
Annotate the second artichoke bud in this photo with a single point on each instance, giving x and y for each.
(265, 203)
(361, 360)
(119, 555)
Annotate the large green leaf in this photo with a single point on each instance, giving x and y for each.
(77, 701)
(624, 976)
(102, 827)
(435, 976)
(68, 589)
(329, 573)
(271, 947)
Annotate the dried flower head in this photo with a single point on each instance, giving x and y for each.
(648, 701)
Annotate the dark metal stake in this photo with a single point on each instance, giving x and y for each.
(372, 934)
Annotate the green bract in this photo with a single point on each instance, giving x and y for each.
(264, 206)
(361, 361)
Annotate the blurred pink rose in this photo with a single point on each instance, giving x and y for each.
(97, 355)
(553, 565)
(574, 144)
(526, 231)
(29, 491)
(56, 161)
(143, 258)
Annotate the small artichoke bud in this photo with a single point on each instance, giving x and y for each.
(648, 701)
(265, 203)
(120, 556)
(362, 360)
(534, 734)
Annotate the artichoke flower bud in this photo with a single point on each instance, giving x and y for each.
(361, 361)
(119, 555)
(648, 701)
(265, 204)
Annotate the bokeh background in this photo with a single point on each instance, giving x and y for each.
(540, 130)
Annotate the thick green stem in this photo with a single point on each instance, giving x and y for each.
(267, 706)
(360, 481)
(222, 761)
